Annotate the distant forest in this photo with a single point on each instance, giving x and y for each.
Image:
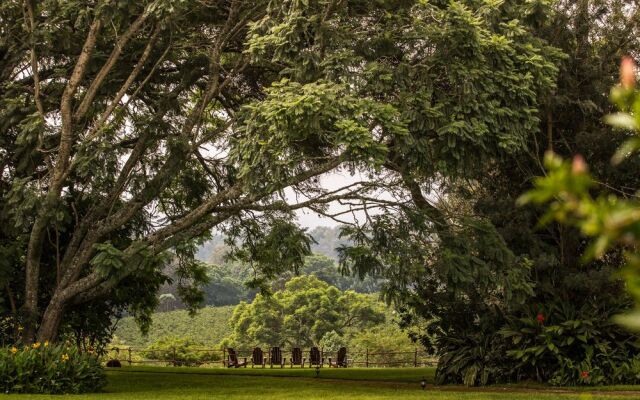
(326, 238)
(227, 278)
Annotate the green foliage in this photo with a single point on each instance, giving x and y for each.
(302, 314)
(327, 270)
(332, 342)
(471, 358)
(564, 347)
(463, 286)
(227, 284)
(463, 259)
(228, 278)
(381, 341)
(271, 249)
(314, 119)
(182, 351)
(277, 93)
(48, 368)
(609, 219)
(209, 326)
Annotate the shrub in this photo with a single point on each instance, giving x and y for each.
(472, 359)
(180, 351)
(565, 347)
(387, 345)
(50, 369)
(332, 341)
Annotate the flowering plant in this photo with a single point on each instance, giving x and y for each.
(49, 368)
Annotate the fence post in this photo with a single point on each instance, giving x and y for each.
(129, 360)
(415, 358)
(366, 363)
(224, 357)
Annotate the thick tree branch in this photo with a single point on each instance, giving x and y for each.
(34, 247)
(34, 62)
(111, 61)
(95, 130)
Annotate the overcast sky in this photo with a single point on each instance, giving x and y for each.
(329, 181)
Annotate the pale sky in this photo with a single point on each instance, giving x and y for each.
(330, 181)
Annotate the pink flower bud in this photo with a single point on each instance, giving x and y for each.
(578, 166)
(628, 72)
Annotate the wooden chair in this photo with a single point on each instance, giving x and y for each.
(275, 357)
(315, 358)
(258, 358)
(233, 361)
(296, 357)
(341, 360)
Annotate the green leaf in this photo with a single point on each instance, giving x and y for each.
(622, 121)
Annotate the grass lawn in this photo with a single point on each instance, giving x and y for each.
(149, 383)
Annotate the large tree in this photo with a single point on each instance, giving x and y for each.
(510, 300)
(301, 314)
(129, 129)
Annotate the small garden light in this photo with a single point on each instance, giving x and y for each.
(423, 383)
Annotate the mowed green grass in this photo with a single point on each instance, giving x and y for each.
(370, 374)
(149, 383)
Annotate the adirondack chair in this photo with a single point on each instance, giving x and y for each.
(258, 358)
(341, 360)
(296, 357)
(233, 361)
(275, 357)
(315, 359)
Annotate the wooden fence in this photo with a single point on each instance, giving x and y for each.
(218, 357)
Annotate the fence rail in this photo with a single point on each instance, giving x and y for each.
(172, 356)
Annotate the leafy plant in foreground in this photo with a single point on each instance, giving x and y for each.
(49, 368)
(608, 218)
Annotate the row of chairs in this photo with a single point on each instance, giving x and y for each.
(275, 357)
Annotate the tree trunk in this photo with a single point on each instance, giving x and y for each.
(30, 306)
(51, 321)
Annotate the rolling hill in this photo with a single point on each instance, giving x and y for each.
(208, 326)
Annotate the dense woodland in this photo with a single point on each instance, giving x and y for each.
(131, 131)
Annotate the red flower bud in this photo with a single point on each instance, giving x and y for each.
(627, 72)
(584, 374)
(540, 318)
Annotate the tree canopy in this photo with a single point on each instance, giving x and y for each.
(131, 129)
(301, 314)
(506, 299)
